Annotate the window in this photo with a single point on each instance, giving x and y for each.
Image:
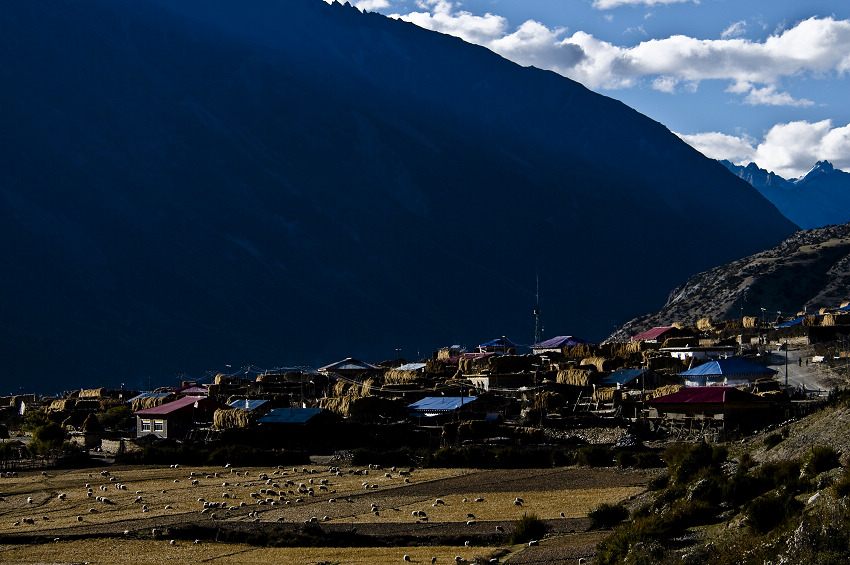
(158, 425)
(146, 425)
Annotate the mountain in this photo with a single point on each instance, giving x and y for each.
(190, 184)
(809, 270)
(819, 198)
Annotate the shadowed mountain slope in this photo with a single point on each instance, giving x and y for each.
(189, 184)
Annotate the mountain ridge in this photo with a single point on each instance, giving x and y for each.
(820, 197)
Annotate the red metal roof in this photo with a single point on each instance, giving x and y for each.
(171, 407)
(654, 333)
(707, 395)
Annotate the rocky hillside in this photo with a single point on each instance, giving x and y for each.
(810, 269)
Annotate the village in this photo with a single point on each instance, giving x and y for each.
(715, 381)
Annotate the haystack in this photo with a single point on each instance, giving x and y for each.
(93, 393)
(397, 377)
(665, 390)
(751, 322)
(227, 418)
(705, 324)
(62, 405)
(149, 402)
(575, 377)
(601, 363)
(603, 395)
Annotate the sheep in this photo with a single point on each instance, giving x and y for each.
(29, 521)
(406, 558)
(79, 518)
(61, 496)
(470, 515)
(533, 543)
(29, 500)
(479, 500)
(470, 522)
(500, 529)
(172, 542)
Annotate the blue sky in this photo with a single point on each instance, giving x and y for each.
(744, 80)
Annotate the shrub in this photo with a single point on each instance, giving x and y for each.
(47, 438)
(842, 485)
(779, 474)
(642, 530)
(768, 511)
(822, 458)
(772, 440)
(687, 461)
(607, 515)
(595, 456)
(117, 418)
(528, 528)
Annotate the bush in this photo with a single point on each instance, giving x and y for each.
(822, 458)
(47, 438)
(595, 456)
(771, 510)
(842, 485)
(607, 515)
(687, 461)
(117, 418)
(772, 440)
(528, 528)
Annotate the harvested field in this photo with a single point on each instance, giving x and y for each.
(120, 507)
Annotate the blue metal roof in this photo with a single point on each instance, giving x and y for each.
(245, 404)
(290, 415)
(622, 376)
(790, 323)
(729, 366)
(441, 403)
(499, 342)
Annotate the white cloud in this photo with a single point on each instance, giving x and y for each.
(739, 150)
(815, 46)
(768, 96)
(735, 30)
(371, 5)
(609, 4)
(789, 150)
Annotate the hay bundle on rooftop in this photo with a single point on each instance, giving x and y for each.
(105, 404)
(339, 389)
(575, 377)
(603, 395)
(90, 404)
(665, 390)
(338, 404)
(835, 320)
(62, 405)
(227, 418)
(397, 377)
(222, 379)
(751, 322)
(366, 387)
(149, 402)
(601, 363)
(705, 324)
(272, 378)
(92, 393)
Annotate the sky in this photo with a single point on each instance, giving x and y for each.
(745, 80)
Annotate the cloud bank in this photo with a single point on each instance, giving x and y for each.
(815, 46)
(789, 150)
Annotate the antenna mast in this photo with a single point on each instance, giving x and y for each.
(537, 311)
